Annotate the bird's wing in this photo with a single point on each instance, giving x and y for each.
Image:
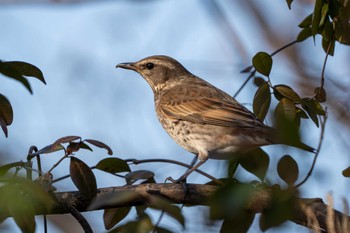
(207, 106)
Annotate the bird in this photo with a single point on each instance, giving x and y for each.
(200, 117)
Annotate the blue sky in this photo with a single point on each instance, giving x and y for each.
(77, 48)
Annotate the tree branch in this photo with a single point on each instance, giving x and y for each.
(198, 194)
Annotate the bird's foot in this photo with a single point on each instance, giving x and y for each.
(181, 180)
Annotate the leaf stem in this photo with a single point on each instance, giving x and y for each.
(323, 124)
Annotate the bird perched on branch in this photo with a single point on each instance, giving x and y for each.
(201, 118)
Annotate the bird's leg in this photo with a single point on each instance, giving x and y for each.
(189, 171)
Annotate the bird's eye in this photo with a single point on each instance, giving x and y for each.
(149, 65)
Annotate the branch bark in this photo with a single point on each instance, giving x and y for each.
(309, 212)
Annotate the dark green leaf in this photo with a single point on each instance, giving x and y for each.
(134, 176)
(100, 145)
(346, 172)
(113, 165)
(301, 113)
(328, 32)
(289, 3)
(9, 71)
(306, 23)
(19, 197)
(143, 225)
(340, 13)
(316, 18)
(230, 199)
(328, 46)
(26, 69)
(304, 34)
(286, 109)
(324, 13)
(256, 162)
(262, 62)
(48, 149)
(4, 168)
(288, 92)
(83, 178)
(162, 230)
(320, 94)
(247, 70)
(85, 146)
(288, 169)
(164, 205)
(259, 81)
(286, 123)
(281, 208)
(113, 216)
(6, 112)
(262, 101)
(307, 106)
(239, 223)
(65, 140)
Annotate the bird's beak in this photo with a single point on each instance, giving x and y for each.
(127, 65)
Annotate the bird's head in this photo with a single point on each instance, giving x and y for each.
(158, 71)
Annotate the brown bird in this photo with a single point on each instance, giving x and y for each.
(201, 118)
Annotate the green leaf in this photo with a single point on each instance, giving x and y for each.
(83, 178)
(230, 200)
(143, 225)
(164, 205)
(100, 145)
(286, 109)
(304, 34)
(256, 162)
(324, 13)
(65, 140)
(346, 172)
(289, 3)
(6, 167)
(288, 92)
(113, 216)
(259, 81)
(326, 44)
(6, 113)
(113, 165)
(306, 23)
(26, 69)
(320, 94)
(19, 197)
(262, 101)
(10, 72)
(316, 18)
(262, 62)
(313, 108)
(281, 208)
(48, 149)
(239, 223)
(134, 176)
(288, 169)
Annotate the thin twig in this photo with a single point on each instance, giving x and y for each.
(324, 64)
(252, 73)
(135, 161)
(283, 47)
(323, 124)
(59, 161)
(245, 83)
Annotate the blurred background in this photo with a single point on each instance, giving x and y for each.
(77, 45)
